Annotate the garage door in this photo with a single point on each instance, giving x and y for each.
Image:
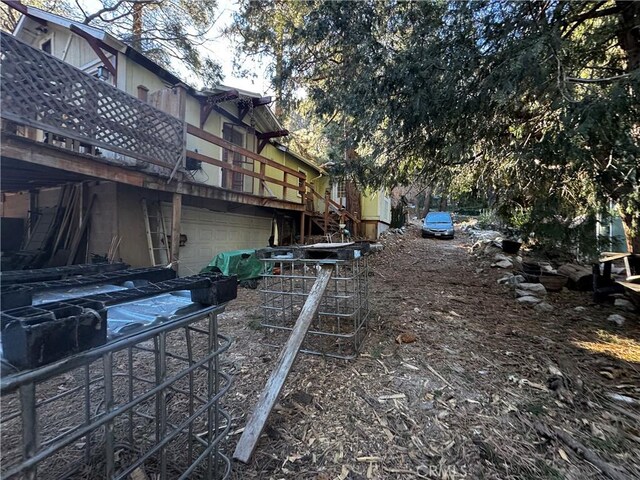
(209, 233)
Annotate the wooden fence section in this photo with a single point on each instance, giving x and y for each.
(40, 91)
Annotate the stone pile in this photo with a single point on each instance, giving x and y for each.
(527, 293)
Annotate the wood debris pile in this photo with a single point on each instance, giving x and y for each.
(488, 388)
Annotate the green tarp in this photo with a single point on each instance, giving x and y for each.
(242, 263)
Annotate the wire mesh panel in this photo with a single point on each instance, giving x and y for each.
(339, 327)
(149, 401)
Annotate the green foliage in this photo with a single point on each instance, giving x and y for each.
(488, 219)
(533, 106)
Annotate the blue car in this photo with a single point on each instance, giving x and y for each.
(437, 224)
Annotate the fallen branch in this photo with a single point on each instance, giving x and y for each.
(582, 450)
(433, 370)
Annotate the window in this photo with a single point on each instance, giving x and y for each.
(235, 180)
(46, 46)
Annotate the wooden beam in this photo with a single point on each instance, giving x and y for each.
(262, 144)
(37, 154)
(209, 137)
(233, 118)
(257, 102)
(275, 134)
(75, 243)
(234, 168)
(243, 112)
(176, 218)
(333, 204)
(263, 171)
(326, 212)
(97, 47)
(258, 420)
(207, 106)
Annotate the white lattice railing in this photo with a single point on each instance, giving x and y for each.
(40, 91)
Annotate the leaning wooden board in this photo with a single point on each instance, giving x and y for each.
(258, 420)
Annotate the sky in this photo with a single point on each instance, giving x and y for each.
(221, 50)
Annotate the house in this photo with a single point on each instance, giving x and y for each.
(150, 158)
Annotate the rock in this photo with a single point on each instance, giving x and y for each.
(544, 307)
(499, 257)
(479, 270)
(503, 264)
(580, 309)
(554, 370)
(522, 293)
(529, 300)
(491, 249)
(624, 304)
(533, 287)
(376, 247)
(618, 319)
(406, 337)
(511, 279)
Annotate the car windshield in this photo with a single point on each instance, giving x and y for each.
(437, 217)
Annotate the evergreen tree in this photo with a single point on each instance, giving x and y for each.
(535, 103)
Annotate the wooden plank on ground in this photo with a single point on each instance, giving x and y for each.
(75, 243)
(257, 421)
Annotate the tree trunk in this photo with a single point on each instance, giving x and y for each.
(137, 26)
(353, 204)
(629, 40)
(427, 201)
(629, 33)
(631, 233)
(444, 201)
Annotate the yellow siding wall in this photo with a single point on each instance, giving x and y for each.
(376, 206)
(131, 75)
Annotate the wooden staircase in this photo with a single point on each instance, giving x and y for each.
(328, 222)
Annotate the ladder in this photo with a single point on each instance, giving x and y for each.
(155, 228)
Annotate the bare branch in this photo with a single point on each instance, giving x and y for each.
(597, 80)
(90, 18)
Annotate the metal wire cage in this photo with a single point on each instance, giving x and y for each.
(150, 400)
(339, 327)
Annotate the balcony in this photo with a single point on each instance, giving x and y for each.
(61, 124)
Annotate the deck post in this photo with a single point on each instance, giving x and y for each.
(176, 218)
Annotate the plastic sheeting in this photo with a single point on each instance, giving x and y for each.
(58, 295)
(129, 317)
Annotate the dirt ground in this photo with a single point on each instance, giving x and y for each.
(490, 388)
